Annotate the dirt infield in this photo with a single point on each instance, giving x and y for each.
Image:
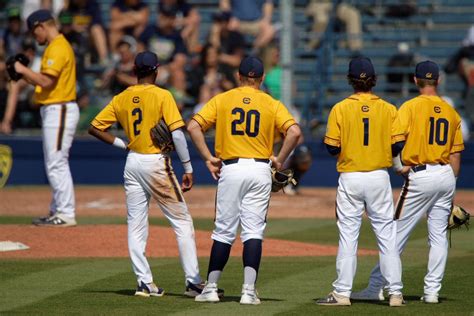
(102, 201)
(111, 241)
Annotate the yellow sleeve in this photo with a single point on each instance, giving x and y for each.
(283, 119)
(106, 118)
(404, 118)
(458, 144)
(208, 115)
(171, 114)
(333, 130)
(398, 134)
(53, 61)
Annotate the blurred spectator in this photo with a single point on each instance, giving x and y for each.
(168, 45)
(404, 58)
(187, 21)
(81, 48)
(87, 20)
(20, 110)
(30, 6)
(463, 63)
(321, 11)
(403, 9)
(13, 35)
(252, 17)
(121, 76)
(231, 43)
(211, 77)
(128, 17)
(273, 71)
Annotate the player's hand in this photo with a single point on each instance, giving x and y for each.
(19, 67)
(187, 183)
(214, 165)
(5, 128)
(275, 163)
(404, 171)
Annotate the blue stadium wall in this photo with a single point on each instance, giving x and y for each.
(93, 162)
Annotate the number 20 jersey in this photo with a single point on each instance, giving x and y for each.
(138, 109)
(245, 120)
(433, 131)
(364, 127)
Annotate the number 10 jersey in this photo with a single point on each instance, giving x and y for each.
(364, 126)
(245, 120)
(433, 131)
(138, 109)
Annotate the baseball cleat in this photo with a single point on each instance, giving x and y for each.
(396, 300)
(55, 220)
(149, 289)
(429, 299)
(368, 295)
(249, 295)
(193, 290)
(334, 299)
(208, 294)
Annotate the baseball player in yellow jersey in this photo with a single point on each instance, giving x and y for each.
(55, 91)
(245, 120)
(364, 132)
(431, 156)
(148, 172)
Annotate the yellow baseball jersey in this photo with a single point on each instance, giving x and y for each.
(138, 109)
(364, 126)
(58, 61)
(433, 131)
(245, 120)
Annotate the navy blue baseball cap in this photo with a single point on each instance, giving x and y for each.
(361, 68)
(251, 67)
(38, 17)
(146, 61)
(427, 70)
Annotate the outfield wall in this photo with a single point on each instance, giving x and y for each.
(93, 162)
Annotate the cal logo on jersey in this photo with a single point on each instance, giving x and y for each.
(6, 162)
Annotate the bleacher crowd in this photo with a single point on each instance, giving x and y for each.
(198, 58)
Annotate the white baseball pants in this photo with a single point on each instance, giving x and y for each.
(59, 125)
(429, 192)
(243, 195)
(153, 176)
(370, 191)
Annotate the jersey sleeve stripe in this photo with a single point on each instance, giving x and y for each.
(289, 123)
(50, 72)
(98, 125)
(175, 125)
(457, 148)
(332, 141)
(200, 120)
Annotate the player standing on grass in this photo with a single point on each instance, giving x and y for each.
(431, 159)
(245, 120)
(148, 172)
(364, 133)
(55, 91)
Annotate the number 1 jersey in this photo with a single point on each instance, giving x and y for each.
(245, 120)
(433, 131)
(138, 109)
(364, 127)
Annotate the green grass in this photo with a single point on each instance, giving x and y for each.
(287, 286)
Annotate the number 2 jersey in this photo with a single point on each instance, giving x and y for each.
(364, 126)
(138, 109)
(245, 120)
(433, 131)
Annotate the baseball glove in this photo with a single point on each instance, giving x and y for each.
(162, 138)
(281, 179)
(458, 217)
(10, 65)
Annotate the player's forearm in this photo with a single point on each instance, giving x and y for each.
(108, 138)
(37, 79)
(12, 101)
(455, 162)
(267, 12)
(181, 146)
(197, 136)
(289, 143)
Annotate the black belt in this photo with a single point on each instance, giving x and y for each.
(418, 168)
(236, 160)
